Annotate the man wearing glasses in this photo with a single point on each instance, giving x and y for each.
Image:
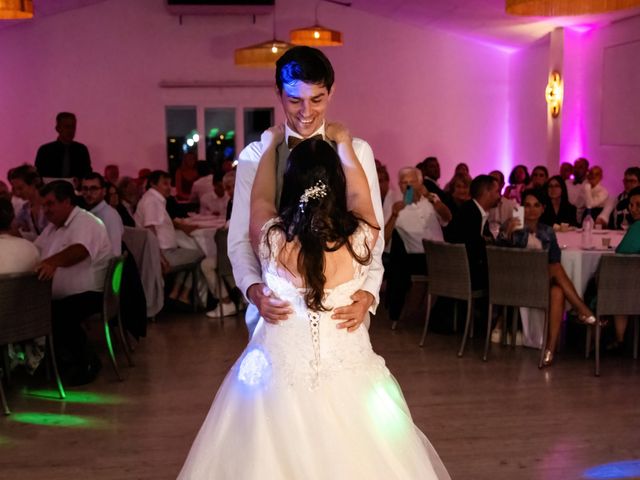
(93, 191)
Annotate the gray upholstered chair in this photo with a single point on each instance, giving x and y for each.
(25, 313)
(518, 277)
(618, 294)
(449, 277)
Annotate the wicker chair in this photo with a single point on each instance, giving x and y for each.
(111, 310)
(618, 294)
(518, 278)
(25, 313)
(449, 277)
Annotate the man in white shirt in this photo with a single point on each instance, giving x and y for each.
(151, 213)
(575, 189)
(595, 194)
(616, 211)
(215, 201)
(304, 79)
(76, 250)
(503, 211)
(93, 191)
(418, 216)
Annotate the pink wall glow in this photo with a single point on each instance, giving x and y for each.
(410, 92)
(528, 75)
(583, 131)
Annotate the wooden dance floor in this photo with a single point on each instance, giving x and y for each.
(503, 419)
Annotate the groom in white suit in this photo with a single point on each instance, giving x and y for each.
(304, 80)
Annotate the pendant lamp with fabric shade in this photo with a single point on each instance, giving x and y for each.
(262, 55)
(554, 8)
(317, 35)
(16, 9)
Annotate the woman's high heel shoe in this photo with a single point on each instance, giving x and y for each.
(547, 358)
(587, 319)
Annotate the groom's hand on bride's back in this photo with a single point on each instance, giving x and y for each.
(271, 308)
(351, 316)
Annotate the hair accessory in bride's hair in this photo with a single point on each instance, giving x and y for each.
(319, 190)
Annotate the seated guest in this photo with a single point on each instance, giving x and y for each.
(630, 244)
(64, 158)
(214, 202)
(518, 180)
(112, 197)
(94, 189)
(143, 174)
(129, 194)
(557, 209)
(458, 190)
(503, 211)
(471, 227)
(202, 185)
(536, 235)
(231, 298)
(112, 174)
(186, 175)
(383, 181)
(18, 255)
(616, 211)
(4, 191)
(566, 170)
(76, 250)
(539, 176)
(575, 189)
(30, 219)
(421, 215)
(430, 169)
(595, 194)
(461, 169)
(152, 213)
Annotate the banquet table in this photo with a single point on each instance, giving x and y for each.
(580, 264)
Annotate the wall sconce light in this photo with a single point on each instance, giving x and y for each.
(554, 93)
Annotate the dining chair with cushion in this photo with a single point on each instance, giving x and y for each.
(518, 277)
(25, 314)
(449, 277)
(618, 294)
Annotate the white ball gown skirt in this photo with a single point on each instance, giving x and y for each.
(310, 402)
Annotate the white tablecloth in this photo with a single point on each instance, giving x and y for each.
(580, 265)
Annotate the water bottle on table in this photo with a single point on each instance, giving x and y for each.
(587, 228)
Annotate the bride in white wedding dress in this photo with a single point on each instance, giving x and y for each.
(307, 400)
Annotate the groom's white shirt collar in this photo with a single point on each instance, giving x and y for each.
(288, 132)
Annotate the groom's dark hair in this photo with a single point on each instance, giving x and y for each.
(305, 64)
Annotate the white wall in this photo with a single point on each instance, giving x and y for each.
(588, 105)
(409, 92)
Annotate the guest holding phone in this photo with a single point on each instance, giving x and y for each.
(533, 234)
(419, 215)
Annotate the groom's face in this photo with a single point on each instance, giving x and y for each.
(304, 106)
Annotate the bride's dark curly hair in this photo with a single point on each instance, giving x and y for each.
(322, 224)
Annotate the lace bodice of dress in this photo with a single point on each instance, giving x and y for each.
(308, 345)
